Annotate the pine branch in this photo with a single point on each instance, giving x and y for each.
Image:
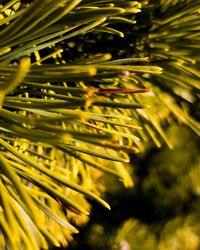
(66, 123)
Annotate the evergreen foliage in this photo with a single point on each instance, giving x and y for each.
(83, 85)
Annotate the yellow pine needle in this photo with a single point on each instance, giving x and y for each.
(4, 50)
(24, 67)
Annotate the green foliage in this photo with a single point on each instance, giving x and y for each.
(70, 113)
(177, 183)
